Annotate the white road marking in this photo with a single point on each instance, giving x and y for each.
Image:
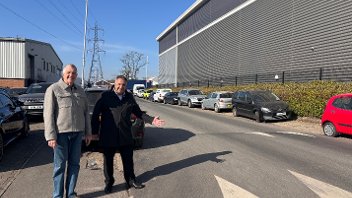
(230, 190)
(295, 133)
(260, 133)
(322, 189)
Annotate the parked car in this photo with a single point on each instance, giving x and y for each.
(33, 99)
(140, 93)
(159, 94)
(218, 101)
(171, 98)
(191, 97)
(13, 121)
(260, 105)
(337, 115)
(16, 91)
(151, 96)
(147, 93)
(138, 125)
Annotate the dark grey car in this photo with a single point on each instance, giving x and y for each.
(260, 105)
(33, 99)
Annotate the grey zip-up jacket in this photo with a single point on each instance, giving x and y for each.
(65, 110)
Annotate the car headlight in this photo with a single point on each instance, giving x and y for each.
(22, 99)
(265, 110)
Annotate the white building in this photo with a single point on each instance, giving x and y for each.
(24, 61)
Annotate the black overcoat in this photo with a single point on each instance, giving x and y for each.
(115, 119)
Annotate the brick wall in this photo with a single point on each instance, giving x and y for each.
(8, 82)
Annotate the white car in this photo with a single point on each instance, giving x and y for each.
(159, 94)
(140, 93)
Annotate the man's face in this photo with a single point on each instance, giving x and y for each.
(69, 76)
(120, 86)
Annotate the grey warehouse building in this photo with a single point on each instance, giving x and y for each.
(250, 41)
(24, 61)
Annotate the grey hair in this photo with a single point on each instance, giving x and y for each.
(69, 65)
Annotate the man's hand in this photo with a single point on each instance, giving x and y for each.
(52, 143)
(157, 122)
(88, 139)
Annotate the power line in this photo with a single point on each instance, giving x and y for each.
(68, 19)
(37, 26)
(52, 14)
(80, 21)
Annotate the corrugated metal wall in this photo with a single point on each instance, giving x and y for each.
(12, 59)
(167, 73)
(269, 37)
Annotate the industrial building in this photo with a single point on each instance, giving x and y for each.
(24, 61)
(254, 41)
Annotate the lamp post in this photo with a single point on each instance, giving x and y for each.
(146, 73)
(84, 43)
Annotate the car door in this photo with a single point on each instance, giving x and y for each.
(239, 103)
(206, 102)
(249, 105)
(342, 113)
(213, 100)
(12, 120)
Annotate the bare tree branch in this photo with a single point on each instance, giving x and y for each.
(132, 62)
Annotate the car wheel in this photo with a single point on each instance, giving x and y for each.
(203, 107)
(234, 112)
(25, 129)
(179, 103)
(330, 130)
(164, 101)
(257, 116)
(190, 105)
(216, 108)
(1, 147)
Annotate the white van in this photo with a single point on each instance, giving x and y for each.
(137, 87)
(159, 94)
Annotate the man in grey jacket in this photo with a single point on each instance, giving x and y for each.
(66, 120)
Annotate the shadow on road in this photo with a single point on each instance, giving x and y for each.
(26, 152)
(158, 137)
(178, 165)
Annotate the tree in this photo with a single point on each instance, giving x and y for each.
(132, 62)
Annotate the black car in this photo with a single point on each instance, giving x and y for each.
(33, 99)
(13, 121)
(138, 125)
(171, 98)
(260, 105)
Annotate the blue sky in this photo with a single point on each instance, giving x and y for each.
(129, 25)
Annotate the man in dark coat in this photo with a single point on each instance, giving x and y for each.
(114, 109)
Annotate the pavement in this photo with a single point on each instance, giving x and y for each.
(32, 177)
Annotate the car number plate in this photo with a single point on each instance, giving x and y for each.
(281, 114)
(35, 107)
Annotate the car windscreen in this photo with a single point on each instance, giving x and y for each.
(265, 97)
(93, 96)
(173, 93)
(195, 92)
(226, 95)
(37, 88)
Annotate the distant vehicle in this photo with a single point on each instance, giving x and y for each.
(140, 93)
(137, 87)
(171, 98)
(218, 101)
(191, 97)
(33, 99)
(13, 121)
(160, 93)
(260, 105)
(147, 93)
(337, 115)
(138, 126)
(151, 96)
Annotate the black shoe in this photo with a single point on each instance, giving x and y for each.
(108, 189)
(133, 183)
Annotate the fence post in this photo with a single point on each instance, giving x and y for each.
(320, 73)
(208, 82)
(283, 77)
(198, 83)
(256, 78)
(235, 80)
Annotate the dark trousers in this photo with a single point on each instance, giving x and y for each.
(126, 153)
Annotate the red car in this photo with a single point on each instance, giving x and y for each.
(337, 116)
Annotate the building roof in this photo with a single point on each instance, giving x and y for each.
(183, 16)
(24, 40)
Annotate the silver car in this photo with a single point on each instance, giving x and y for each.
(218, 101)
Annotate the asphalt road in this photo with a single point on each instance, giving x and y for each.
(199, 154)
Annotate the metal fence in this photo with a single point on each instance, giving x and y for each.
(341, 74)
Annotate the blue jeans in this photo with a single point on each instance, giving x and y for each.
(68, 149)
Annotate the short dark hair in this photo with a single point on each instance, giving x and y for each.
(121, 76)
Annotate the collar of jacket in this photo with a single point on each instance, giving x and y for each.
(65, 86)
